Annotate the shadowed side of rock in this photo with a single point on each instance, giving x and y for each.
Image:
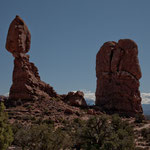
(26, 80)
(118, 73)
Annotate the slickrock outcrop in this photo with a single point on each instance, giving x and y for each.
(75, 99)
(27, 84)
(118, 73)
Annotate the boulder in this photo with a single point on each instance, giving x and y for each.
(118, 73)
(18, 37)
(91, 112)
(75, 99)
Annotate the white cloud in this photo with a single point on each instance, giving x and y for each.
(6, 94)
(90, 96)
(145, 98)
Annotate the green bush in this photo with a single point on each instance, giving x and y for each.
(6, 134)
(40, 137)
(97, 133)
(146, 134)
(139, 118)
(104, 133)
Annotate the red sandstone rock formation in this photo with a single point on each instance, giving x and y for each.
(118, 73)
(75, 99)
(26, 80)
(18, 38)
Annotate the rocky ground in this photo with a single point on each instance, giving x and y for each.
(54, 110)
(58, 112)
(140, 141)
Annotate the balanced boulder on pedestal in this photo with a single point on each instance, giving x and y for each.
(27, 84)
(118, 73)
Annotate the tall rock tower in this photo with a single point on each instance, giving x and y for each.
(26, 80)
(118, 73)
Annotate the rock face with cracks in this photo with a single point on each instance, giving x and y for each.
(118, 73)
(27, 84)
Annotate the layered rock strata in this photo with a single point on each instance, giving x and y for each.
(118, 73)
(27, 84)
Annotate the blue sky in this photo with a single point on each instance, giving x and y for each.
(67, 34)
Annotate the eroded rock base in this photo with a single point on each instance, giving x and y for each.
(27, 84)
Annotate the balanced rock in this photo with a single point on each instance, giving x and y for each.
(27, 84)
(75, 99)
(18, 38)
(118, 73)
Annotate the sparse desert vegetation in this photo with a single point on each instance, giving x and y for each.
(99, 132)
(34, 129)
(35, 117)
(6, 134)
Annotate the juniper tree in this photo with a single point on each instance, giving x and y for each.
(6, 134)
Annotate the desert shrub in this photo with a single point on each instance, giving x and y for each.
(48, 121)
(146, 134)
(140, 148)
(40, 137)
(6, 134)
(55, 98)
(97, 133)
(33, 137)
(77, 120)
(103, 133)
(139, 118)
